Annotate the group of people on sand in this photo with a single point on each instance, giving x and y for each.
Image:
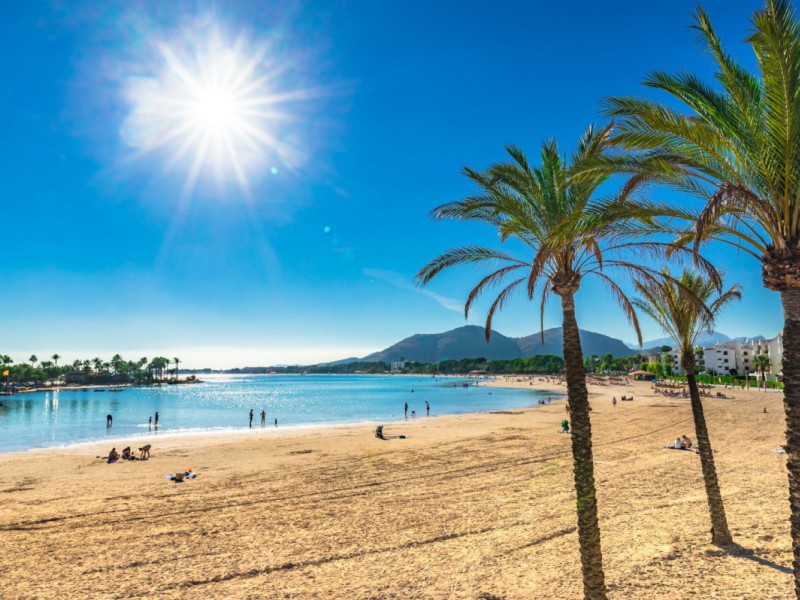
(263, 418)
(683, 442)
(128, 454)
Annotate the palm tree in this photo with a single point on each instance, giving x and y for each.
(55, 358)
(567, 238)
(33, 360)
(762, 363)
(177, 362)
(737, 147)
(683, 312)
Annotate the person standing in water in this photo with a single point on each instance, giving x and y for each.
(405, 410)
(427, 409)
(108, 420)
(251, 417)
(156, 421)
(263, 418)
(276, 421)
(150, 422)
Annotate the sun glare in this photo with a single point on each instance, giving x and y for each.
(213, 106)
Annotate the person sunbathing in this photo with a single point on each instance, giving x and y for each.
(127, 454)
(686, 442)
(113, 456)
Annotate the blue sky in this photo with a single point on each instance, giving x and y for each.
(110, 245)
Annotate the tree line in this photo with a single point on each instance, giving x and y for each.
(95, 370)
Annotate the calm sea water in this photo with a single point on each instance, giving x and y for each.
(60, 418)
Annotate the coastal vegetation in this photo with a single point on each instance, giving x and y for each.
(569, 235)
(683, 310)
(88, 371)
(735, 145)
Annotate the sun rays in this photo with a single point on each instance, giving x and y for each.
(212, 107)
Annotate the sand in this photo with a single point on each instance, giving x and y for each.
(469, 506)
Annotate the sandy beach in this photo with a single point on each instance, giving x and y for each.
(469, 506)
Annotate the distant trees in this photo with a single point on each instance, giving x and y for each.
(95, 370)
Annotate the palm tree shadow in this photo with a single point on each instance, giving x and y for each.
(746, 553)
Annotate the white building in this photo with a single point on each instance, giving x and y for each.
(774, 349)
(672, 359)
(729, 358)
(398, 365)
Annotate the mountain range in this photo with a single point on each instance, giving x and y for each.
(706, 339)
(469, 342)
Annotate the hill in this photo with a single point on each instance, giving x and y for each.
(591, 343)
(469, 342)
(463, 342)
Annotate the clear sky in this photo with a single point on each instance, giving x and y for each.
(143, 214)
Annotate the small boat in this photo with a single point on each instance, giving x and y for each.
(100, 390)
(116, 389)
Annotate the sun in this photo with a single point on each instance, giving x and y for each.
(210, 105)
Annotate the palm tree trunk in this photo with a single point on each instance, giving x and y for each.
(791, 402)
(594, 586)
(720, 534)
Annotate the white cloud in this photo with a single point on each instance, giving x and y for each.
(399, 281)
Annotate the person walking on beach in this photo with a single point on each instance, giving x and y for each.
(406, 410)
(614, 401)
(427, 409)
(566, 408)
(108, 420)
(251, 417)
(263, 418)
(156, 421)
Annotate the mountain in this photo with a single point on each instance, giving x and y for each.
(705, 339)
(463, 342)
(591, 343)
(469, 342)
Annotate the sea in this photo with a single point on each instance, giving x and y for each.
(222, 403)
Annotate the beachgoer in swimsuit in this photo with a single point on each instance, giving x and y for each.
(108, 420)
(427, 409)
(263, 417)
(251, 417)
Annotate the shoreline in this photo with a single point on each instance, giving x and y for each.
(171, 438)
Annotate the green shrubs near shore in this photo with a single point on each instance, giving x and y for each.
(96, 370)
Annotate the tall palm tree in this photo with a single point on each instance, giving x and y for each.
(177, 362)
(677, 311)
(763, 364)
(736, 145)
(567, 238)
(55, 358)
(33, 360)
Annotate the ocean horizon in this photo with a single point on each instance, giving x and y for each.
(222, 403)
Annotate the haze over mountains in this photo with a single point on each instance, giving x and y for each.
(469, 342)
(706, 339)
